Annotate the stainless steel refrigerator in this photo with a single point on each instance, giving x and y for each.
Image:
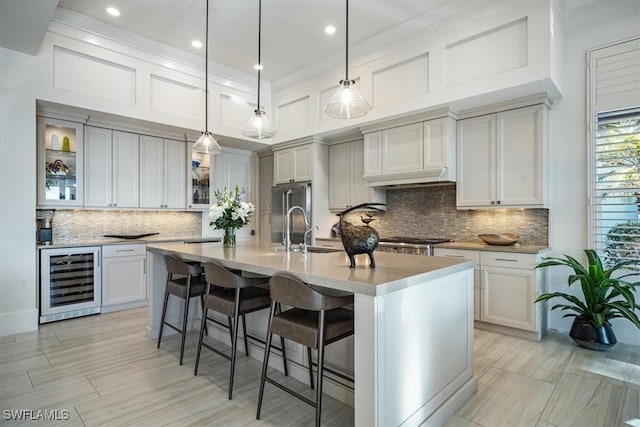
(283, 197)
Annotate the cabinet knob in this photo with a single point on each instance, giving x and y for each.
(115, 204)
(189, 206)
(498, 201)
(493, 203)
(162, 206)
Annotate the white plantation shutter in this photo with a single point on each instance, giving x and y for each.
(615, 152)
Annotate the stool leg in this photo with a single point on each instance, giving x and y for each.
(206, 329)
(202, 329)
(310, 366)
(164, 310)
(184, 320)
(230, 330)
(265, 363)
(320, 367)
(234, 343)
(284, 349)
(244, 331)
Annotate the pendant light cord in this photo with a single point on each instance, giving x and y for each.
(259, 43)
(346, 62)
(206, 73)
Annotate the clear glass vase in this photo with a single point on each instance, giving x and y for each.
(229, 239)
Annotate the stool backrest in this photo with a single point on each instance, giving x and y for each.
(175, 265)
(289, 290)
(219, 275)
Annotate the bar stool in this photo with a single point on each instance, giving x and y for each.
(190, 284)
(235, 296)
(315, 320)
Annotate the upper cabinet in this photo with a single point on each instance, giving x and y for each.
(162, 173)
(199, 178)
(412, 153)
(501, 159)
(293, 164)
(60, 165)
(112, 158)
(347, 187)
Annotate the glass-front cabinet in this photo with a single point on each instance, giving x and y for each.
(60, 144)
(199, 179)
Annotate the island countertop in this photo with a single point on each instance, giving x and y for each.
(393, 271)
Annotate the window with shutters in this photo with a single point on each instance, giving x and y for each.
(615, 151)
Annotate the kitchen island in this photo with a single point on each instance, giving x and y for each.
(413, 341)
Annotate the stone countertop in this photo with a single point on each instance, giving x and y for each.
(114, 241)
(393, 271)
(481, 246)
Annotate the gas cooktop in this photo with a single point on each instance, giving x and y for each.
(413, 240)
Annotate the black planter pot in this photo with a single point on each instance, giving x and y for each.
(587, 335)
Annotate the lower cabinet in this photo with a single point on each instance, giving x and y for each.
(124, 273)
(506, 286)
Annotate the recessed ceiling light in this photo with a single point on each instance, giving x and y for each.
(113, 11)
(329, 29)
(258, 67)
(197, 44)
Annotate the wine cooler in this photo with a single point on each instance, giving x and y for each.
(70, 283)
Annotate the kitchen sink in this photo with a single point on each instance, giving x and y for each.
(321, 249)
(310, 249)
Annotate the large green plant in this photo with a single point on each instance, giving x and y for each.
(604, 297)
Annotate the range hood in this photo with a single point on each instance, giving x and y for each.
(411, 152)
(434, 176)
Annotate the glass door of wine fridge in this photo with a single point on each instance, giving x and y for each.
(70, 283)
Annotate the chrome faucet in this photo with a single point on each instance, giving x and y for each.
(287, 226)
(303, 245)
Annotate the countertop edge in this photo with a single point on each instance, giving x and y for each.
(477, 246)
(143, 241)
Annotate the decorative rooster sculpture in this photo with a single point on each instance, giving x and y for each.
(359, 239)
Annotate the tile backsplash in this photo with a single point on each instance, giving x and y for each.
(431, 212)
(93, 224)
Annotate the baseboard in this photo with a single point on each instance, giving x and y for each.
(505, 330)
(123, 306)
(19, 321)
(453, 404)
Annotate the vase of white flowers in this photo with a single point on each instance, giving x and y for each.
(229, 213)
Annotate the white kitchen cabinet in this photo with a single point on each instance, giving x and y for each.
(293, 164)
(346, 183)
(162, 173)
(112, 159)
(123, 277)
(60, 163)
(234, 167)
(199, 179)
(501, 159)
(506, 286)
(411, 153)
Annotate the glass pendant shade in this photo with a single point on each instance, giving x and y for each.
(258, 126)
(207, 144)
(347, 102)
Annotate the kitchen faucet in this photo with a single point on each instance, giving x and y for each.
(287, 226)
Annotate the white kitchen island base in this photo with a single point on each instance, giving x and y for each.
(413, 341)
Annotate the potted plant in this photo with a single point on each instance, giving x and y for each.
(603, 298)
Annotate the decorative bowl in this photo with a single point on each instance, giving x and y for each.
(195, 163)
(504, 239)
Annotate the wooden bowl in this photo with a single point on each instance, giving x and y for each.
(504, 239)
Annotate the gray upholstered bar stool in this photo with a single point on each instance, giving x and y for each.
(235, 296)
(315, 320)
(184, 280)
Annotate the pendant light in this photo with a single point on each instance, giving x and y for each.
(259, 126)
(206, 143)
(347, 102)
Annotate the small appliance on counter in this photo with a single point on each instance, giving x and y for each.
(44, 234)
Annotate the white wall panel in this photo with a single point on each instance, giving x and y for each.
(501, 49)
(293, 115)
(235, 110)
(94, 76)
(176, 97)
(399, 81)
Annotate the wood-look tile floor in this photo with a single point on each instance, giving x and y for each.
(103, 371)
